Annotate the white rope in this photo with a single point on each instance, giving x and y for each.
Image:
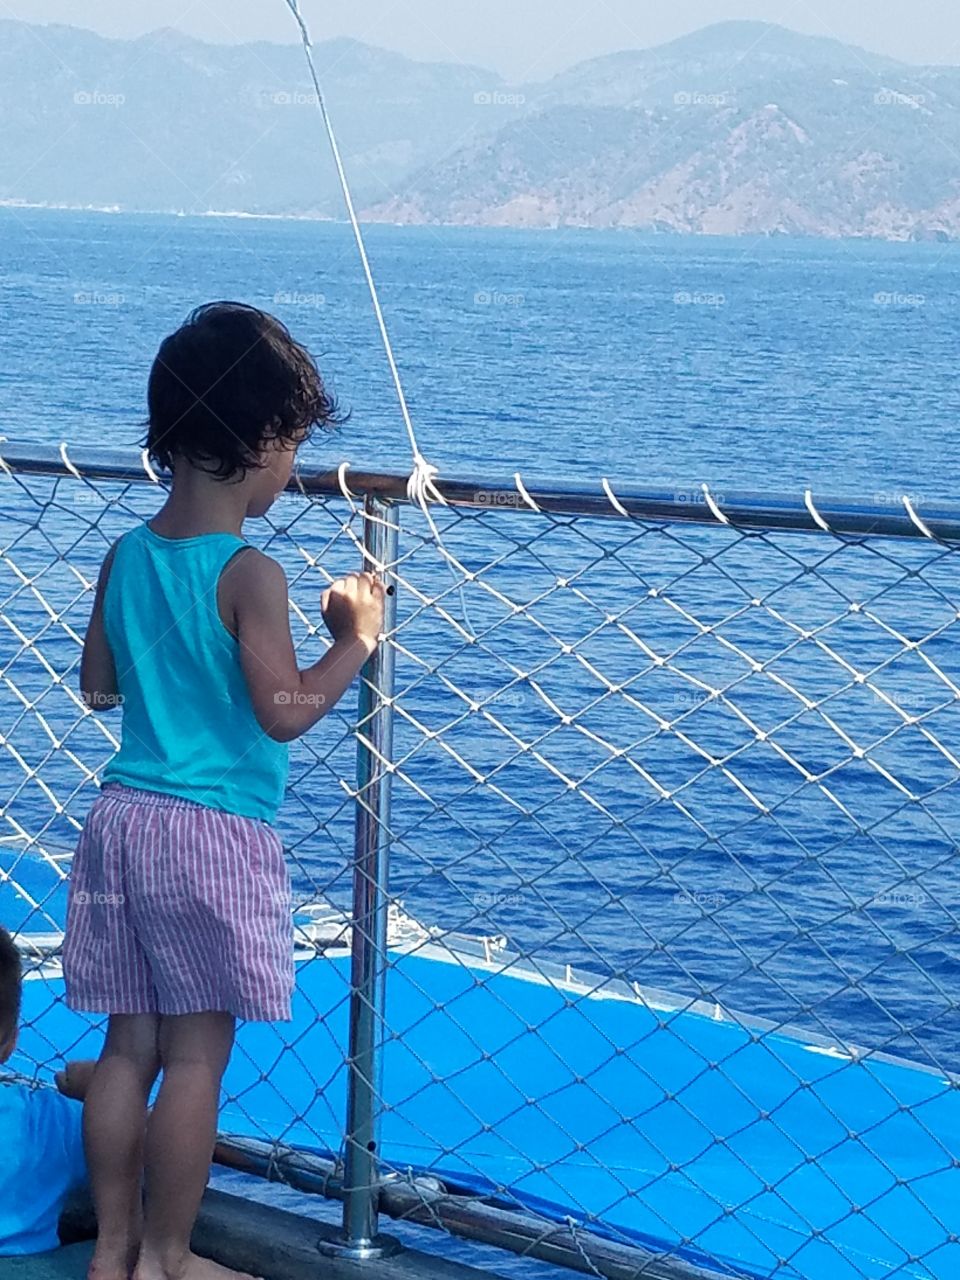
(918, 523)
(522, 490)
(614, 500)
(712, 504)
(294, 8)
(145, 461)
(54, 712)
(351, 497)
(420, 486)
(66, 461)
(814, 513)
(421, 489)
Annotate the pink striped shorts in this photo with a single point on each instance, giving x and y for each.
(176, 908)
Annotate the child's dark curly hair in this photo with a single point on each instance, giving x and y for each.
(229, 380)
(10, 980)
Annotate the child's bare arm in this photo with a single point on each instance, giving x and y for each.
(98, 676)
(287, 701)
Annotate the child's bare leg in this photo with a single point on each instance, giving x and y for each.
(114, 1115)
(181, 1131)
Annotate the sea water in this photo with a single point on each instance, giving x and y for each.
(751, 364)
(762, 364)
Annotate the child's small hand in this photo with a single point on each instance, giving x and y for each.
(353, 608)
(74, 1080)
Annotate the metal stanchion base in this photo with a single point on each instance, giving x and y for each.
(360, 1250)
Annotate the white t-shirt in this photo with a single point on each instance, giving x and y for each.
(42, 1162)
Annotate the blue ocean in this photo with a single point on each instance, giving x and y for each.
(769, 365)
(751, 364)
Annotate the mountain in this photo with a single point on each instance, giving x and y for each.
(739, 128)
(724, 57)
(166, 122)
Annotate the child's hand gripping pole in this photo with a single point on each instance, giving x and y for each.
(352, 608)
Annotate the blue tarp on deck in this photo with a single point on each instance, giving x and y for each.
(668, 1128)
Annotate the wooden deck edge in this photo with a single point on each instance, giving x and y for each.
(277, 1244)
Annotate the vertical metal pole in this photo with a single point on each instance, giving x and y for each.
(370, 908)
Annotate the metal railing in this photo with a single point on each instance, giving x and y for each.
(707, 742)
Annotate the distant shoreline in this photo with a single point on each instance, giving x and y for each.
(166, 213)
(646, 232)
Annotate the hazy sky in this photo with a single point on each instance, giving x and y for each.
(521, 38)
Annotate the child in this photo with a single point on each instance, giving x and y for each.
(178, 920)
(41, 1137)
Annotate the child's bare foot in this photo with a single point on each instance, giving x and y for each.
(114, 1260)
(189, 1267)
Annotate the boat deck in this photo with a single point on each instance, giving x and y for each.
(670, 1140)
(69, 1263)
(250, 1237)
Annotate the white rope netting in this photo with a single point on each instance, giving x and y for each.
(716, 762)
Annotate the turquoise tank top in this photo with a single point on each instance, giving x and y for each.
(188, 726)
